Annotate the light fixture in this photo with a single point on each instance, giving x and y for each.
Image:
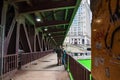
(45, 29)
(94, 30)
(98, 20)
(49, 34)
(38, 19)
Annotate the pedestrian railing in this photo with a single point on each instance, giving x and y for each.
(78, 71)
(9, 63)
(12, 62)
(29, 57)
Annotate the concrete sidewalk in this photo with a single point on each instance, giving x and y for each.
(43, 69)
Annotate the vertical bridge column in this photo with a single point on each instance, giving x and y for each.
(2, 34)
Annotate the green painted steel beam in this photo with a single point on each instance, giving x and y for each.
(29, 18)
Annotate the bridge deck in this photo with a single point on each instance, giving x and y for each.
(43, 69)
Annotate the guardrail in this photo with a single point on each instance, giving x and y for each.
(14, 61)
(9, 63)
(78, 71)
(29, 57)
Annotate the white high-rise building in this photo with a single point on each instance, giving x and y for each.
(80, 31)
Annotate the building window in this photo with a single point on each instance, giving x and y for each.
(83, 41)
(79, 33)
(75, 41)
(75, 33)
(87, 41)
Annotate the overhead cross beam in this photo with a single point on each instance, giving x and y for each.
(58, 39)
(58, 35)
(27, 1)
(19, 0)
(66, 14)
(43, 6)
(51, 23)
(58, 32)
(54, 15)
(55, 30)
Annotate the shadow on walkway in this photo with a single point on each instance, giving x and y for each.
(50, 66)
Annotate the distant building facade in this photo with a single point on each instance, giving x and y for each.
(80, 31)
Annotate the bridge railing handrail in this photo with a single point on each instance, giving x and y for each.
(9, 63)
(29, 57)
(78, 71)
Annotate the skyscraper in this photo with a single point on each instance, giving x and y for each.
(80, 31)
